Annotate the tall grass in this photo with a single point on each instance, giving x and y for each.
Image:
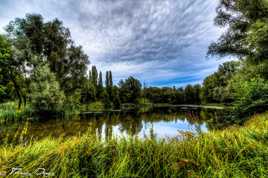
(9, 111)
(234, 152)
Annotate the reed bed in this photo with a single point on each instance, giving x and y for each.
(10, 112)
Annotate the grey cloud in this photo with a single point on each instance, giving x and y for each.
(144, 30)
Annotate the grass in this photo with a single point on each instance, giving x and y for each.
(9, 112)
(235, 152)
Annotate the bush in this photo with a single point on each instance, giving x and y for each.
(46, 96)
(250, 97)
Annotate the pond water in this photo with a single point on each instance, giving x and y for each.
(167, 123)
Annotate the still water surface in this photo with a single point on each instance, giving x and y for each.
(159, 124)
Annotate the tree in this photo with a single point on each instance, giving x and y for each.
(100, 90)
(94, 76)
(189, 94)
(216, 86)
(130, 90)
(50, 42)
(246, 36)
(241, 17)
(46, 95)
(88, 91)
(109, 84)
(11, 71)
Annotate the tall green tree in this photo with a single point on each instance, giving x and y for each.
(94, 75)
(50, 42)
(109, 84)
(100, 89)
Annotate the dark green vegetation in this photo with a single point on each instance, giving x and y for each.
(235, 152)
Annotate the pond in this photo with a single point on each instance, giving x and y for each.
(164, 123)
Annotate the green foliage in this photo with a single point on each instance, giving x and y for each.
(109, 85)
(246, 37)
(94, 76)
(216, 86)
(250, 97)
(130, 90)
(11, 72)
(100, 89)
(5, 50)
(46, 95)
(72, 103)
(116, 98)
(239, 16)
(38, 41)
(192, 94)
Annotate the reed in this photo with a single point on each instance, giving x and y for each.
(10, 112)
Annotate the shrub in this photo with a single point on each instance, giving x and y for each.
(250, 97)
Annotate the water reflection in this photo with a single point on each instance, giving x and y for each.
(164, 123)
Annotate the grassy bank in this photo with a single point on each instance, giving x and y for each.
(234, 152)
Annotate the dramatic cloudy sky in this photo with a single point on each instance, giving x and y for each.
(161, 42)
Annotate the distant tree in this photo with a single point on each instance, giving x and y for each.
(94, 75)
(100, 89)
(197, 94)
(88, 91)
(189, 94)
(130, 90)
(116, 98)
(109, 84)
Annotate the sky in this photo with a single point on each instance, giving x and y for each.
(160, 42)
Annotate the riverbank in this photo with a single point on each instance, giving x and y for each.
(234, 152)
